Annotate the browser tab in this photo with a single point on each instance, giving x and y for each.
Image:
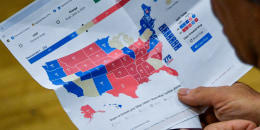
(22, 14)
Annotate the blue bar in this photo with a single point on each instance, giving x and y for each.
(175, 43)
(163, 27)
(177, 47)
(166, 34)
(169, 37)
(53, 47)
(182, 25)
(172, 40)
(201, 42)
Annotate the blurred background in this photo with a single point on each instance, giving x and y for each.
(24, 104)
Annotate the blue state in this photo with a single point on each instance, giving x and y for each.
(73, 88)
(97, 71)
(152, 44)
(148, 23)
(84, 75)
(52, 65)
(56, 74)
(129, 52)
(58, 82)
(102, 84)
(104, 45)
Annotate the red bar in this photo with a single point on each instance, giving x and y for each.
(110, 11)
(122, 3)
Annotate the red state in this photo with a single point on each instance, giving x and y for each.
(141, 52)
(142, 59)
(148, 68)
(68, 70)
(168, 70)
(113, 65)
(134, 48)
(147, 44)
(127, 85)
(86, 65)
(105, 61)
(89, 111)
(74, 58)
(120, 72)
(131, 69)
(126, 60)
(92, 48)
(157, 50)
(157, 56)
(99, 55)
(139, 43)
(140, 80)
(116, 53)
(142, 71)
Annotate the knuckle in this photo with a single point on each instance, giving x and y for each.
(198, 93)
(198, 90)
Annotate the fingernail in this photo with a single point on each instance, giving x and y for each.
(183, 91)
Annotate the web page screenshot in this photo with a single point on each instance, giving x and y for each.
(122, 62)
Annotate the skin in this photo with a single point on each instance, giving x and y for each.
(232, 125)
(236, 102)
(227, 104)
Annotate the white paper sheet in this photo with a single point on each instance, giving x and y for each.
(119, 64)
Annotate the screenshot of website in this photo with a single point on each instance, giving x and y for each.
(122, 62)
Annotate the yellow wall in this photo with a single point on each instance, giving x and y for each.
(27, 105)
(252, 78)
(24, 104)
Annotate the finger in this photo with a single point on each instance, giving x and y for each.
(201, 96)
(232, 125)
(190, 129)
(209, 116)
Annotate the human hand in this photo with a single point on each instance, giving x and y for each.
(233, 125)
(236, 102)
(240, 19)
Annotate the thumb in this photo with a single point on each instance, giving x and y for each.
(201, 96)
(232, 125)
